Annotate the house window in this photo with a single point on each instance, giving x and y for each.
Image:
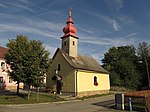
(95, 81)
(10, 80)
(3, 66)
(1, 79)
(73, 43)
(59, 67)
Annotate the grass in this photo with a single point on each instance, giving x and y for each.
(22, 98)
(94, 96)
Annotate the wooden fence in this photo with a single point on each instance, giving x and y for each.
(148, 102)
(139, 99)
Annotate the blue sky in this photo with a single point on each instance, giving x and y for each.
(100, 24)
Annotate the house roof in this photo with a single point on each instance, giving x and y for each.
(3, 52)
(82, 62)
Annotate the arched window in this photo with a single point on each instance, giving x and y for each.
(59, 67)
(73, 43)
(95, 81)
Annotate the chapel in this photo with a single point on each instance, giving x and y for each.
(72, 73)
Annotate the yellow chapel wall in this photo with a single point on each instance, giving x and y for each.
(66, 72)
(85, 81)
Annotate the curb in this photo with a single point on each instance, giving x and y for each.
(59, 102)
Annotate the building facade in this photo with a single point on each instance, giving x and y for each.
(5, 81)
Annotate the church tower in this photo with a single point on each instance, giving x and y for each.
(69, 40)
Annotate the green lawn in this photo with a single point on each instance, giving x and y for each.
(22, 98)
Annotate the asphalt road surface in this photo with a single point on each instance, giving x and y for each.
(100, 104)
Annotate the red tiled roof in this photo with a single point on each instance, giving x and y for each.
(2, 52)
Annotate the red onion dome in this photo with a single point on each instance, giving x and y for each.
(69, 29)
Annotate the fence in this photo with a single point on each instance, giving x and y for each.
(140, 100)
(148, 102)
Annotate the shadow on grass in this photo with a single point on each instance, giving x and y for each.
(23, 95)
(6, 92)
(12, 94)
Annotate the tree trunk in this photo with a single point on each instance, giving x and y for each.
(29, 92)
(18, 87)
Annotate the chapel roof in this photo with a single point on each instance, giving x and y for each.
(82, 62)
(3, 52)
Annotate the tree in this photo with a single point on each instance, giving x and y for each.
(28, 60)
(143, 52)
(36, 64)
(14, 57)
(121, 63)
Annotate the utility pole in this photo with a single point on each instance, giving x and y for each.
(147, 69)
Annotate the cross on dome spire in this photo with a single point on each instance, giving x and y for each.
(70, 11)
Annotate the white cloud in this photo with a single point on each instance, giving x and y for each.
(109, 42)
(25, 1)
(23, 6)
(32, 25)
(17, 28)
(86, 30)
(131, 35)
(51, 12)
(3, 42)
(51, 49)
(38, 23)
(2, 5)
(98, 55)
(114, 24)
(115, 5)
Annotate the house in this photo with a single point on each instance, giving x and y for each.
(72, 73)
(5, 81)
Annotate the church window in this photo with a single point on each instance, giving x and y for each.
(95, 81)
(59, 67)
(65, 43)
(73, 43)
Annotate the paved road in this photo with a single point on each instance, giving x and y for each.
(101, 104)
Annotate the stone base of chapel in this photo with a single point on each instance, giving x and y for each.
(85, 93)
(89, 93)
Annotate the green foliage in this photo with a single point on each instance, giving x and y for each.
(16, 49)
(28, 60)
(121, 63)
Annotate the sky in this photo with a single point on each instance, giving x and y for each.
(100, 24)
